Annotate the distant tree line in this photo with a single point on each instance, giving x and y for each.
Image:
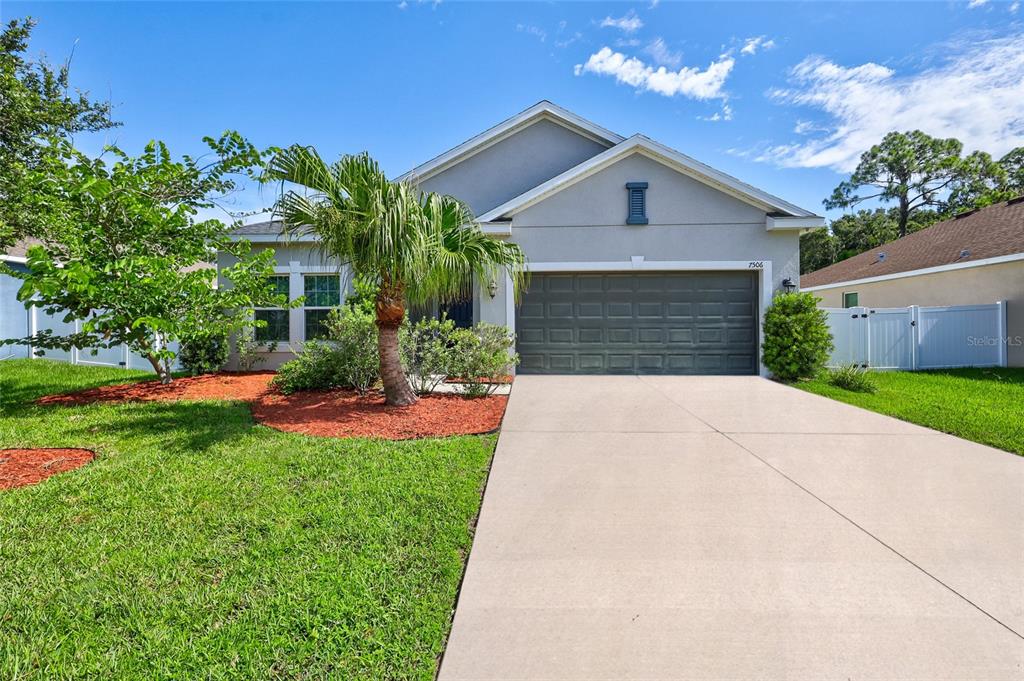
(927, 179)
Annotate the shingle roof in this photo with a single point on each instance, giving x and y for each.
(266, 227)
(19, 249)
(984, 233)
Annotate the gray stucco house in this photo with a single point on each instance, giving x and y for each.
(642, 259)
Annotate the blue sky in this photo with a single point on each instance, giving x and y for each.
(782, 95)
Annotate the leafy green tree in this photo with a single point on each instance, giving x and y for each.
(854, 233)
(1013, 165)
(988, 182)
(36, 107)
(415, 246)
(914, 170)
(817, 250)
(125, 254)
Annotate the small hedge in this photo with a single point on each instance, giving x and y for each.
(204, 354)
(797, 341)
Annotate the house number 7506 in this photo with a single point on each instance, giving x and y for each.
(755, 264)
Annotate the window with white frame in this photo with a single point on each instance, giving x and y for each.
(851, 299)
(276, 328)
(323, 294)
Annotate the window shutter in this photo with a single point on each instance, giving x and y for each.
(637, 203)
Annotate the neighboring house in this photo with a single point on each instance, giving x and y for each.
(976, 257)
(642, 259)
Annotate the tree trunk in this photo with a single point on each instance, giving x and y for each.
(164, 373)
(390, 313)
(904, 215)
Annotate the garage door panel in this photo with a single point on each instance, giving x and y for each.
(622, 283)
(636, 323)
(620, 362)
(656, 335)
(680, 336)
(620, 336)
(619, 310)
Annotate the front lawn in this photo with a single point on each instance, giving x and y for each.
(199, 545)
(984, 405)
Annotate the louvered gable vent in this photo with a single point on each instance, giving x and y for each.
(637, 203)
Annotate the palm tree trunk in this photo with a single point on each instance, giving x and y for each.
(390, 313)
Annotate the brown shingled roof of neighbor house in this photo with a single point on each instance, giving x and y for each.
(20, 248)
(984, 233)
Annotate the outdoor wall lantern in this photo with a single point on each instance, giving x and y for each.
(492, 288)
(788, 284)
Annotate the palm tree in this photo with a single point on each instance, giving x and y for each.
(416, 246)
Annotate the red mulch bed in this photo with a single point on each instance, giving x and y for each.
(498, 380)
(20, 467)
(223, 386)
(342, 413)
(334, 413)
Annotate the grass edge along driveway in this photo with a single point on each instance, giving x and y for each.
(200, 545)
(983, 405)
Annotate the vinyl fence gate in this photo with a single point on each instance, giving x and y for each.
(915, 337)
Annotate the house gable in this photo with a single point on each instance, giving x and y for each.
(672, 198)
(528, 156)
(779, 214)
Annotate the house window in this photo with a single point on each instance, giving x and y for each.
(637, 203)
(323, 293)
(851, 299)
(276, 328)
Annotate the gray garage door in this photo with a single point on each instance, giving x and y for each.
(650, 323)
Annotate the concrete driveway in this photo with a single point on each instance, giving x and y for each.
(734, 528)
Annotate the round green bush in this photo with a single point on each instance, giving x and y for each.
(204, 354)
(797, 341)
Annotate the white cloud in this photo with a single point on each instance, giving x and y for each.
(976, 3)
(628, 23)
(627, 42)
(975, 96)
(687, 81)
(752, 45)
(1014, 6)
(724, 115)
(662, 55)
(403, 4)
(538, 33)
(654, 4)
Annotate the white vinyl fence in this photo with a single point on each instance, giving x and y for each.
(17, 322)
(917, 337)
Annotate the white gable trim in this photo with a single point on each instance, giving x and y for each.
(803, 223)
(658, 152)
(544, 110)
(997, 260)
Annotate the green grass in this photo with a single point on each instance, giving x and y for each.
(198, 545)
(984, 405)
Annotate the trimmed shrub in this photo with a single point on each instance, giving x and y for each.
(204, 354)
(797, 341)
(353, 333)
(428, 352)
(317, 367)
(248, 351)
(481, 357)
(853, 378)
